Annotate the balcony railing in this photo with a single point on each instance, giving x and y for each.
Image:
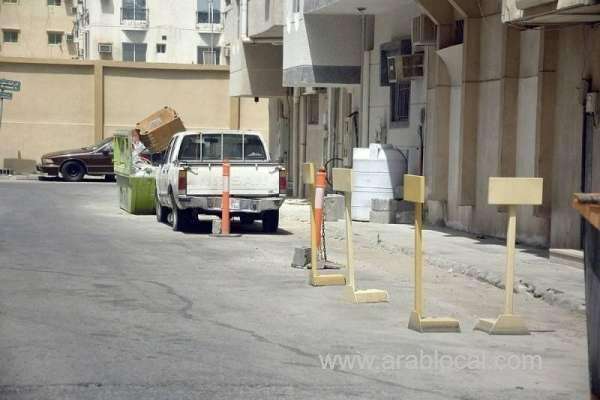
(204, 17)
(134, 16)
(206, 23)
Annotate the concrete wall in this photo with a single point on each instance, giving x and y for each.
(395, 25)
(34, 19)
(66, 104)
(522, 96)
(308, 55)
(256, 67)
(265, 19)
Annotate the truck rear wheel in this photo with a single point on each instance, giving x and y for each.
(179, 218)
(246, 219)
(162, 213)
(270, 221)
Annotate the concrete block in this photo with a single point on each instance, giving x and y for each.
(382, 217)
(405, 217)
(398, 192)
(405, 206)
(384, 205)
(20, 166)
(301, 257)
(216, 226)
(334, 207)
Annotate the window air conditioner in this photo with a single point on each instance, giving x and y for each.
(105, 48)
(424, 31)
(405, 67)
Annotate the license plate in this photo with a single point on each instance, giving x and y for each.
(234, 204)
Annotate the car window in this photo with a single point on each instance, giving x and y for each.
(190, 148)
(211, 147)
(232, 147)
(107, 147)
(253, 148)
(99, 144)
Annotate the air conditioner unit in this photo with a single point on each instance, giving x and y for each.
(424, 31)
(405, 67)
(105, 48)
(69, 37)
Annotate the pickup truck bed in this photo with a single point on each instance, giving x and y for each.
(190, 179)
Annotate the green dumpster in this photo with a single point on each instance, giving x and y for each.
(136, 193)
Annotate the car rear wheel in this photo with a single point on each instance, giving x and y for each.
(162, 213)
(270, 221)
(72, 171)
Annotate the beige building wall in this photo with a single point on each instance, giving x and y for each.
(54, 109)
(517, 112)
(33, 19)
(70, 104)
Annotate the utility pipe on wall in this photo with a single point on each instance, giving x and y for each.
(244, 22)
(365, 78)
(295, 148)
(302, 132)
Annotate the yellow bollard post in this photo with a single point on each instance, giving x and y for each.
(414, 191)
(342, 182)
(315, 278)
(510, 192)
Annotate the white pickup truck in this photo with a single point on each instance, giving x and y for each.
(189, 180)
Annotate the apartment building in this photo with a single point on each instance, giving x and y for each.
(309, 56)
(469, 89)
(163, 31)
(37, 28)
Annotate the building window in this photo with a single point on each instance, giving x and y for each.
(208, 12)
(399, 103)
(161, 48)
(296, 6)
(10, 36)
(54, 3)
(208, 56)
(135, 52)
(164, 37)
(55, 37)
(9, 1)
(312, 109)
(134, 10)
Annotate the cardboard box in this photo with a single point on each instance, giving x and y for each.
(157, 129)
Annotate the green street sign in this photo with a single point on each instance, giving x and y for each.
(13, 86)
(5, 96)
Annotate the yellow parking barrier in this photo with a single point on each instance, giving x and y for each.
(510, 192)
(342, 182)
(315, 278)
(414, 191)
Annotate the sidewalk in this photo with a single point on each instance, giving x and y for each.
(457, 252)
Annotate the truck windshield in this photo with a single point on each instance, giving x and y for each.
(217, 147)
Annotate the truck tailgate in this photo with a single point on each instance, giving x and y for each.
(245, 180)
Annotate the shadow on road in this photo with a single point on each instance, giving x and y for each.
(204, 227)
(84, 180)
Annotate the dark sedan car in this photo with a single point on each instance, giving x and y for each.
(73, 165)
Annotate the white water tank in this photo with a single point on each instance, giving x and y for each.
(378, 172)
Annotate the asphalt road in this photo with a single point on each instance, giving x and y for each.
(99, 304)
